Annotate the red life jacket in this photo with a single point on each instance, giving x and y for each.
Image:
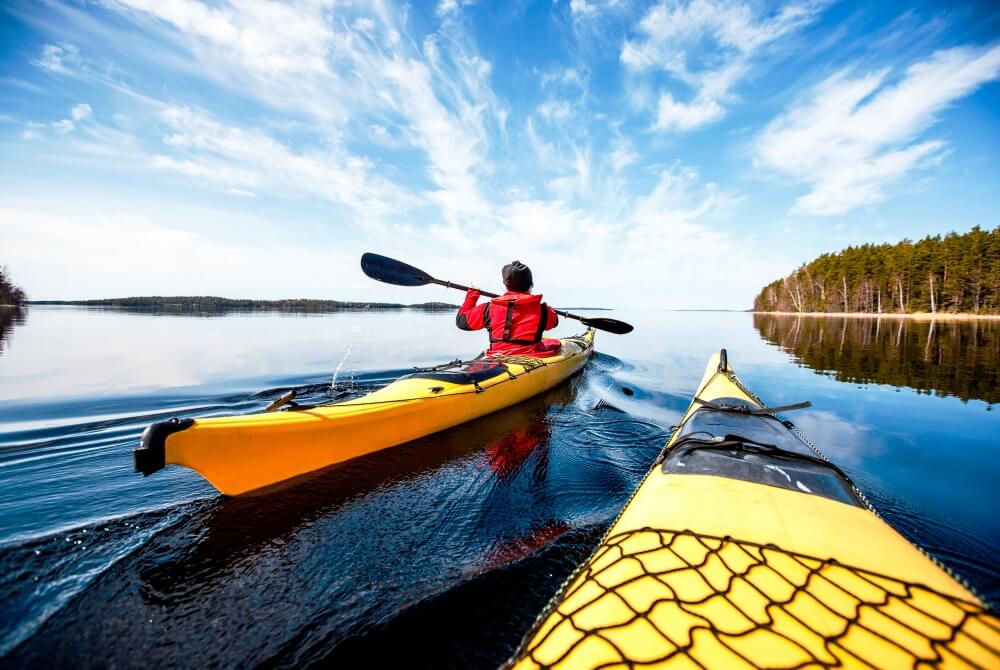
(515, 322)
(517, 318)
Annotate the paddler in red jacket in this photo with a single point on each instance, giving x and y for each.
(515, 320)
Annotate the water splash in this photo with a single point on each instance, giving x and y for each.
(340, 366)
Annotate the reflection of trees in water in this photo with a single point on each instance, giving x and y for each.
(943, 357)
(9, 318)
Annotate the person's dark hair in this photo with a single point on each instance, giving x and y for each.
(517, 277)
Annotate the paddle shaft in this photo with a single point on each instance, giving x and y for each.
(451, 284)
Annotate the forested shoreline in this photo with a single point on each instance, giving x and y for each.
(953, 274)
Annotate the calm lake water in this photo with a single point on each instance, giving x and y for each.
(456, 540)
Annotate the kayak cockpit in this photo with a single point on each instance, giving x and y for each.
(736, 439)
(459, 372)
(730, 458)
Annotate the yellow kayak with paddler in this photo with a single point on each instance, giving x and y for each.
(237, 454)
(743, 547)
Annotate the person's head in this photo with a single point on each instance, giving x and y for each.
(517, 277)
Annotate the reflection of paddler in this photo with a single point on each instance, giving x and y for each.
(506, 455)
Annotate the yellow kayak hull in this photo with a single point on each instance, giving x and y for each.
(703, 570)
(242, 453)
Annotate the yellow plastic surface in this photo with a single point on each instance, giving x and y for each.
(241, 453)
(704, 571)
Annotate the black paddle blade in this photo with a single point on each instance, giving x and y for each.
(610, 325)
(391, 271)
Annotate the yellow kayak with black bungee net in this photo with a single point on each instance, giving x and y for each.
(744, 547)
(237, 454)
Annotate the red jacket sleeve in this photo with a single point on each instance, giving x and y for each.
(470, 315)
(553, 320)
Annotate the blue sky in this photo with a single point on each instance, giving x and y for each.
(665, 155)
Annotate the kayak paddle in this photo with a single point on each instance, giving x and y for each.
(391, 271)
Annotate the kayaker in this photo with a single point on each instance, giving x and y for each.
(515, 320)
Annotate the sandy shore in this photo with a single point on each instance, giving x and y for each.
(916, 316)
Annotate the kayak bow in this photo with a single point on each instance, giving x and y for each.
(744, 547)
(237, 454)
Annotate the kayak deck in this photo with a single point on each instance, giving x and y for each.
(238, 454)
(773, 560)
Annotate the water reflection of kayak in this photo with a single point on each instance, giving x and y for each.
(744, 547)
(242, 453)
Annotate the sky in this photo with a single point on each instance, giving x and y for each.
(660, 155)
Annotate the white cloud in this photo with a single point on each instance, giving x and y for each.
(445, 100)
(707, 46)
(62, 126)
(575, 183)
(32, 130)
(567, 78)
(729, 24)
(591, 8)
(567, 91)
(622, 156)
(57, 58)
(555, 110)
(339, 65)
(582, 7)
(675, 221)
(234, 157)
(673, 115)
(544, 151)
(447, 7)
(852, 137)
(272, 37)
(216, 171)
(81, 111)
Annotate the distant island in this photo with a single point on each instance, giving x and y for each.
(950, 275)
(214, 304)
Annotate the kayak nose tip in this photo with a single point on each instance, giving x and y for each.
(151, 455)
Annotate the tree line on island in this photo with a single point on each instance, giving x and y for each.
(215, 304)
(953, 274)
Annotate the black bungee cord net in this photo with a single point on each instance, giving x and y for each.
(702, 596)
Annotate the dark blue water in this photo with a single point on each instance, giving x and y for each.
(438, 553)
